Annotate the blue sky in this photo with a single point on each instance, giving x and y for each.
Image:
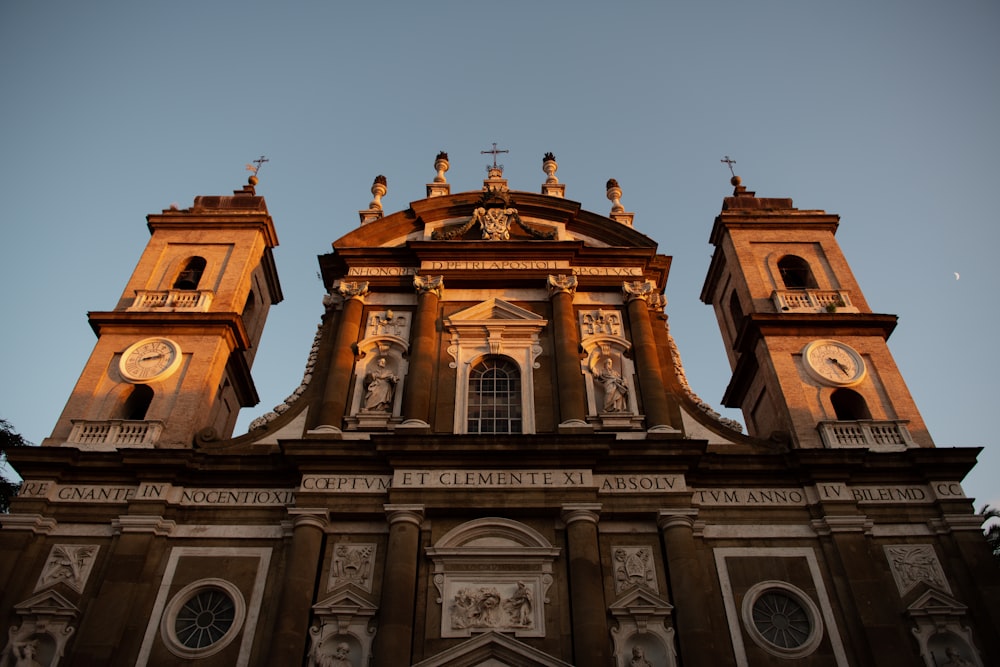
(884, 113)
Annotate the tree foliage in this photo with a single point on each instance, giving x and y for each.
(9, 438)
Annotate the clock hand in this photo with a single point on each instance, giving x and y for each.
(835, 362)
(152, 356)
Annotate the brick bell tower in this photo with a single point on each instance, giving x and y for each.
(172, 359)
(810, 362)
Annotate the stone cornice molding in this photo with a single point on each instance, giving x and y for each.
(843, 524)
(156, 525)
(36, 523)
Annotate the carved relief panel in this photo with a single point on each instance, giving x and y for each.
(915, 563)
(634, 567)
(69, 564)
(492, 574)
(352, 564)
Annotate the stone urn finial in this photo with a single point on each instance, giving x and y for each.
(550, 166)
(378, 191)
(615, 196)
(441, 165)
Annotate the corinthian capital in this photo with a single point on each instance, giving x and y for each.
(640, 289)
(561, 283)
(351, 290)
(424, 284)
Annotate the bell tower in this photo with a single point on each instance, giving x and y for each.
(809, 357)
(173, 357)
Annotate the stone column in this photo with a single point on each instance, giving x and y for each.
(111, 631)
(591, 637)
(572, 398)
(423, 339)
(287, 646)
(689, 590)
(654, 397)
(394, 639)
(338, 377)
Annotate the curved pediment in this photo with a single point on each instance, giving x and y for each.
(492, 532)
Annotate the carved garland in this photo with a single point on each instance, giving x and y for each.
(494, 213)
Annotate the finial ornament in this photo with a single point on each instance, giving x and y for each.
(615, 196)
(441, 165)
(550, 166)
(618, 213)
(378, 191)
(551, 186)
(255, 168)
(735, 180)
(497, 169)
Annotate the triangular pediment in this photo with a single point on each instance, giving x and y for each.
(933, 601)
(640, 597)
(48, 603)
(345, 600)
(489, 649)
(494, 309)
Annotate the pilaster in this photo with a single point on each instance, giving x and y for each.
(591, 635)
(394, 638)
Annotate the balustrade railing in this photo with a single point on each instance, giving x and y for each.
(866, 433)
(812, 301)
(196, 300)
(113, 433)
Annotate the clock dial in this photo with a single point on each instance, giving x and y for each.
(149, 359)
(834, 362)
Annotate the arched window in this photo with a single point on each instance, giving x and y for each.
(795, 273)
(849, 405)
(190, 275)
(137, 403)
(494, 396)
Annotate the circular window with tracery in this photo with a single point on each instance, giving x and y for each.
(782, 619)
(203, 618)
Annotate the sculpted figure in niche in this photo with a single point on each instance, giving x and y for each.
(955, 658)
(26, 652)
(339, 657)
(639, 658)
(381, 384)
(615, 389)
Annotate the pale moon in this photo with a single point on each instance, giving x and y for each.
(957, 276)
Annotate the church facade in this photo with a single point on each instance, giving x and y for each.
(494, 457)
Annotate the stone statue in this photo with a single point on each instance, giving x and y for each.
(339, 658)
(954, 656)
(615, 389)
(381, 384)
(639, 658)
(26, 652)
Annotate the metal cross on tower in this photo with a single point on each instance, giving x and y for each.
(495, 152)
(259, 162)
(730, 162)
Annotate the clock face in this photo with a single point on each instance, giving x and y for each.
(834, 362)
(149, 359)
